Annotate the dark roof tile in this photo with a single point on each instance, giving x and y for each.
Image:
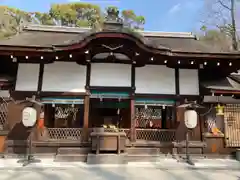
(47, 36)
(227, 84)
(39, 39)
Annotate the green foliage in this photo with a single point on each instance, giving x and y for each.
(43, 18)
(70, 14)
(216, 39)
(113, 9)
(203, 28)
(76, 14)
(10, 19)
(131, 20)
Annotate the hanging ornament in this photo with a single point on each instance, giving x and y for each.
(118, 111)
(219, 110)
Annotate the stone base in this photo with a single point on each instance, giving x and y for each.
(74, 150)
(106, 158)
(70, 158)
(146, 157)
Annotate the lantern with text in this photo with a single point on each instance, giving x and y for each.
(190, 119)
(29, 117)
(219, 110)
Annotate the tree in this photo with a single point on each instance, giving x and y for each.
(221, 14)
(11, 20)
(76, 14)
(71, 14)
(216, 39)
(133, 21)
(43, 18)
(130, 19)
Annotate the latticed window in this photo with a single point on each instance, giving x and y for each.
(149, 121)
(3, 112)
(65, 115)
(148, 117)
(232, 124)
(67, 122)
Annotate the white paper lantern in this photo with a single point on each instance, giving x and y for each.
(29, 117)
(190, 118)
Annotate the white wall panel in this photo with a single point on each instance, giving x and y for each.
(188, 82)
(64, 77)
(27, 77)
(110, 74)
(155, 79)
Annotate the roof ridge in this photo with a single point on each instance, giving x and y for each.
(49, 28)
(67, 29)
(168, 34)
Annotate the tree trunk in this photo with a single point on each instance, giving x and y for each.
(234, 36)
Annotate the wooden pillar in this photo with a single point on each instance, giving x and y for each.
(86, 118)
(87, 100)
(133, 121)
(132, 104)
(177, 86)
(181, 128)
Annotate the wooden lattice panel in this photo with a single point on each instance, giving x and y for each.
(161, 135)
(3, 112)
(65, 133)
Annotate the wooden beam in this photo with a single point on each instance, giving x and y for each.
(225, 91)
(40, 78)
(88, 73)
(133, 74)
(177, 86)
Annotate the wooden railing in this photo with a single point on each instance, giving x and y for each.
(65, 133)
(164, 135)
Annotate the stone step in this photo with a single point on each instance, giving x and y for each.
(71, 158)
(73, 150)
(107, 158)
(35, 155)
(191, 150)
(152, 151)
(146, 158)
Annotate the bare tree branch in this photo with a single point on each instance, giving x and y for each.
(224, 5)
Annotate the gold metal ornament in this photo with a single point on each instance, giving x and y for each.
(219, 110)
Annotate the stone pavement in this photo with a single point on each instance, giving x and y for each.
(169, 169)
(117, 173)
(161, 163)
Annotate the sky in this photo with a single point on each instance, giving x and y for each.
(167, 15)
